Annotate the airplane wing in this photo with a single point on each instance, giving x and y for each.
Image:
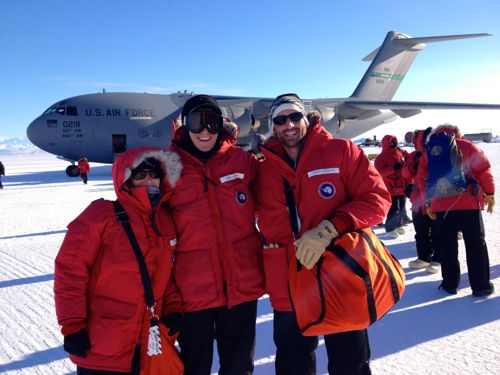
(371, 104)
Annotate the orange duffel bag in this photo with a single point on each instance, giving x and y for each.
(355, 282)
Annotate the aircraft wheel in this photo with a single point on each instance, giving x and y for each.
(72, 171)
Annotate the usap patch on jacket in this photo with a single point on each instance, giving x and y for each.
(326, 189)
(239, 196)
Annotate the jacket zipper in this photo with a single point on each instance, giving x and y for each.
(153, 223)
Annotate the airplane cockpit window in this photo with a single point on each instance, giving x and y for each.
(60, 110)
(71, 111)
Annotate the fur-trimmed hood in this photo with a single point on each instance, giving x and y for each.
(448, 128)
(130, 159)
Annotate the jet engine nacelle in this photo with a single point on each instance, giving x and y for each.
(335, 125)
(241, 116)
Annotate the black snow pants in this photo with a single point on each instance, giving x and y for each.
(470, 222)
(427, 238)
(348, 352)
(234, 331)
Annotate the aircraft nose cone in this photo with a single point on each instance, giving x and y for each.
(34, 132)
(31, 129)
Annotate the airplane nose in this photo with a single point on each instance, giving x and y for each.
(39, 134)
(33, 132)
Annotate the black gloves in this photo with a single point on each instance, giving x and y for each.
(77, 343)
(173, 321)
(409, 188)
(397, 166)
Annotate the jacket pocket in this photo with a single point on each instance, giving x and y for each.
(250, 269)
(194, 275)
(276, 271)
(112, 325)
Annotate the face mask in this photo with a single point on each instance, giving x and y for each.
(153, 190)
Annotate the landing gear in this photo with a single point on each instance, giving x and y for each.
(72, 171)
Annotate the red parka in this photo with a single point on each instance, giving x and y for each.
(410, 169)
(384, 162)
(83, 166)
(475, 165)
(333, 180)
(218, 260)
(97, 282)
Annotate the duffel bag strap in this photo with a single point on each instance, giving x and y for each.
(292, 213)
(355, 267)
(392, 278)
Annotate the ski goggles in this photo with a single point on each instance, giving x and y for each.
(195, 122)
(294, 117)
(141, 174)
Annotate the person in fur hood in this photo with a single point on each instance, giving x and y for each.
(99, 295)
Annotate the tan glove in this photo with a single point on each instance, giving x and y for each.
(489, 199)
(312, 244)
(431, 214)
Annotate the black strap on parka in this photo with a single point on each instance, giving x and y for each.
(124, 220)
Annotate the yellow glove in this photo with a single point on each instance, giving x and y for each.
(489, 199)
(431, 214)
(312, 244)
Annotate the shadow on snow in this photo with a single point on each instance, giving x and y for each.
(27, 280)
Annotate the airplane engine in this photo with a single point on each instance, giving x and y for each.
(240, 116)
(336, 124)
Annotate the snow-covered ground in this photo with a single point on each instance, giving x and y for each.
(427, 332)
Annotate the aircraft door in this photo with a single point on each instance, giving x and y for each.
(119, 144)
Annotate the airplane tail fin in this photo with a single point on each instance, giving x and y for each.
(391, 61)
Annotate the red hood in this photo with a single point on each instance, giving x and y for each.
(418, 140)
(386, 143)
(123, 165)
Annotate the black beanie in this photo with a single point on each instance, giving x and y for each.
(199, 101)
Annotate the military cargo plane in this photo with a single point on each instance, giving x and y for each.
(100, 126)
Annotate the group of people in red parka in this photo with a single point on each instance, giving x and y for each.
(213, 227)
(438, 220)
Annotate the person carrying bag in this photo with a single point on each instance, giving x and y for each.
(336, 190)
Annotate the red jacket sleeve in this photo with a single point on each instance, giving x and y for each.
(72, 271)
(172, 301)
(369, 201)
(480, 168)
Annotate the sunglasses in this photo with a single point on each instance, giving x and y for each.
(197, 121)
(141, 175)
(294, 117)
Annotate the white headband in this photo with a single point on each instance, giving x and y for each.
(280, 108)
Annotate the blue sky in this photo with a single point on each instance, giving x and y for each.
(56, 49)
